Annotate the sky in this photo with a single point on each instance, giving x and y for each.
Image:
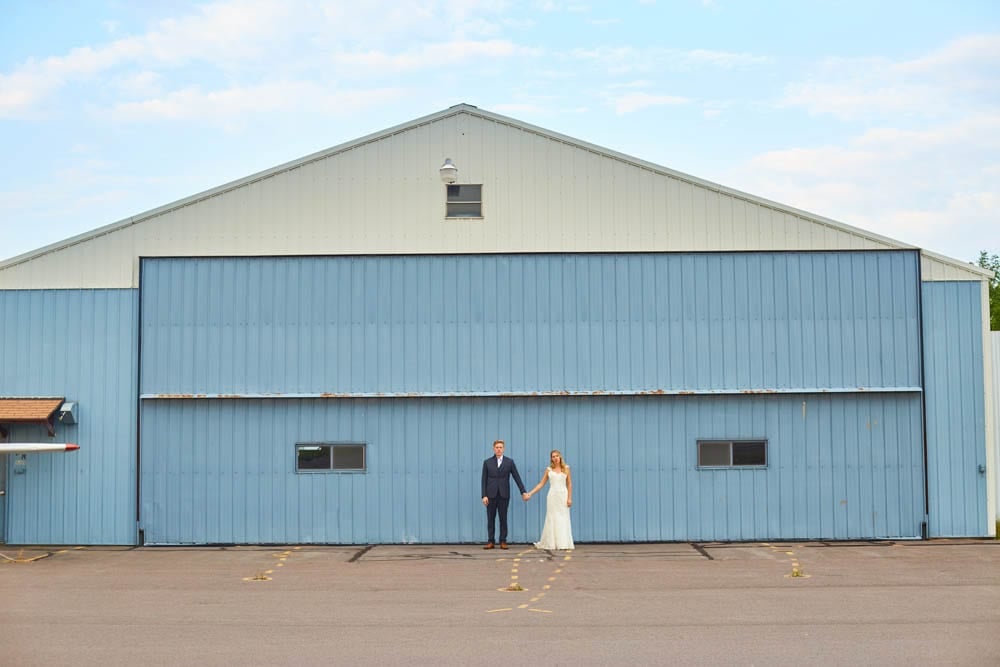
(882, 115)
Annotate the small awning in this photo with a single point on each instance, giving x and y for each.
(29, 411)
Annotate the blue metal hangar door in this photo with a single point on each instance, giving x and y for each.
(352, 400)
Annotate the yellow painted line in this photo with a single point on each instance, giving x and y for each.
(493, 611)
(546, 587)
(551, 579)
(541, 611)
(513, 576)
(522, 606)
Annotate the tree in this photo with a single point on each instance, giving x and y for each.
(992, 262)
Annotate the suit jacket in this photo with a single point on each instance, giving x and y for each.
(496, 480)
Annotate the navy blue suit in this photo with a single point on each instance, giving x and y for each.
(496, 487)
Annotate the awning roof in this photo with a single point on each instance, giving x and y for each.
(29, 410)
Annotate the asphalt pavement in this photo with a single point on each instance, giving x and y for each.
(869, 603)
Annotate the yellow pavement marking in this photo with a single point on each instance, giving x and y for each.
(515, 586)
(281, 557)
(796, 572)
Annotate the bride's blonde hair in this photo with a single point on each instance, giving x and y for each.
(562, 461)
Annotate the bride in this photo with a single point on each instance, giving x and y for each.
(557, 532)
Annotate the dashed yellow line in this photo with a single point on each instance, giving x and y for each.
(796, 572)
(281, 557)
(515, 585)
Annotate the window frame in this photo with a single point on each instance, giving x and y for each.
(332, 446)
(732, 444)
(448, 201)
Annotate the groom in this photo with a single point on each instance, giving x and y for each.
(496, 491)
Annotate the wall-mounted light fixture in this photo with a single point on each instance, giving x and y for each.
(448, 171)
(67, 413)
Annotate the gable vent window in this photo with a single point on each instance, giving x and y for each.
(464, 201)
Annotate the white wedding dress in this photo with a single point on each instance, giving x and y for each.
(557, 532)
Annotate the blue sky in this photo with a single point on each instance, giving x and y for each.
(883, 115)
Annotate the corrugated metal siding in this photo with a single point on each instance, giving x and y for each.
(531, 323)
(541, 193)
(841, 467)
(956, 429)
(995, 368)
(934, 268)
(3, 498)
(79, 344)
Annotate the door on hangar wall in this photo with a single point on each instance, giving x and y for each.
(260, 350)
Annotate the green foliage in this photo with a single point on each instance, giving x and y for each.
(992, 262)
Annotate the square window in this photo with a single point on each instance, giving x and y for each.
(464, 201)
(713, 453)
(313, 457)
(749, 454)
(349, 457)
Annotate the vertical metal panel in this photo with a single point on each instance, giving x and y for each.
(531, 323)
(956, 430)
(994, 338)
(3, 498)
(840, 467)
(79, 344)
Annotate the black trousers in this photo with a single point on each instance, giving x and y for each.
(496, 506)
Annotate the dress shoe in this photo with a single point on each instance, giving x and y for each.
(503, 545)
(489, 545)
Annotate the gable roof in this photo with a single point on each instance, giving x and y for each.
(946, 267)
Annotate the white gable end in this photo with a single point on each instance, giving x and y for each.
(382, 194)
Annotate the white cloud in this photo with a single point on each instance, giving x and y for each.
(934, 187)
(638, 101)
(963, 73)
(445, 54)
(227, 107)
(621, 59)
(245, 40)
(922, 169)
